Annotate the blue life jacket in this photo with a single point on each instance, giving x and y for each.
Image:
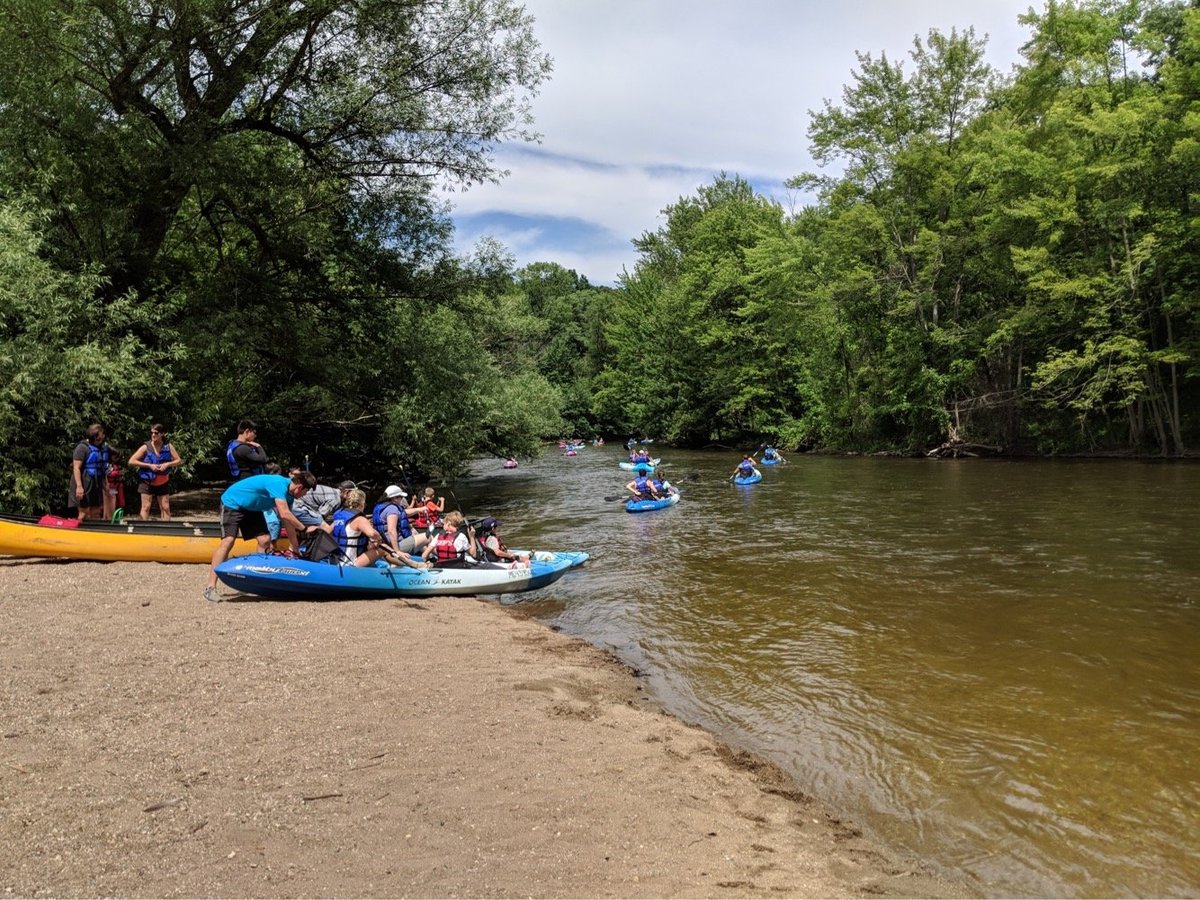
(379, 517)
(234, 468)
(769, 453)
(96, 464)
(352, 547)
(746, 467)
(658, 485)
(642, 485)
(154, 459)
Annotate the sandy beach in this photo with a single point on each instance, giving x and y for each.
(157, 745)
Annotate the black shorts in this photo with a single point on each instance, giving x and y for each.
(251, 524)
(93, 492)
(154, 490)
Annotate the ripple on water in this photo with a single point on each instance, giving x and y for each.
(993, 665)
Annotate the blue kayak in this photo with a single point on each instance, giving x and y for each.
(636, 506)
(748, 479)
(770, 461)
(282, 578)
(640, 466)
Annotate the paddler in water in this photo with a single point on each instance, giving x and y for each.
(745, 468)
(642, 488)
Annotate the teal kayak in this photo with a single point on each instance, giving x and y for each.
(638, 467)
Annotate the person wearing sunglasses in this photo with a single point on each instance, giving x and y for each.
(153, 461)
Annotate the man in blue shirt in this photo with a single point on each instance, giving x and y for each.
(242, 508)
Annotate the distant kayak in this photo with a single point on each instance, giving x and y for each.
(748, 479)
(640, 466)
(770, 461)
(510, 464)
(636, 506)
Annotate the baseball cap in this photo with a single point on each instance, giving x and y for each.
(347, 486)
(393, 490)
(490, 523)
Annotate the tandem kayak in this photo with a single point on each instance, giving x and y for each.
(639, 466)
(133, 540)
(281, 578)
(637, 506)
(748, 479)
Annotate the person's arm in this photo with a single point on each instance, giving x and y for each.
(77, 471)
(365, 526)
(295, 526)
(631, 488)
(328, 504)
(249, 455)
(441, 504)
(135, 461)
(393, 531)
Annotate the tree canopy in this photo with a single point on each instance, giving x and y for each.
(213, 209)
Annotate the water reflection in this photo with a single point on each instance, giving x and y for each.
(992, 664)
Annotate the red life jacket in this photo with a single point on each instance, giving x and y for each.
(443, 547)
(428, 515)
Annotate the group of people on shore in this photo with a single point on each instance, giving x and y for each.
(96, 480)
(262, 503)
(326, 523)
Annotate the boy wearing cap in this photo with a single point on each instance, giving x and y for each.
(391, 520)
(492, 547)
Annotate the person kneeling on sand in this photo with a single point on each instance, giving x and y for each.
(242, 508)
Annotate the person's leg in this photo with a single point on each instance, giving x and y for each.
(231, 520)
(414, 543)
(90, 504)
(147, 501)
(306, 517)
(219, 556)
(164, 506)
(109, 500)
(367, 558)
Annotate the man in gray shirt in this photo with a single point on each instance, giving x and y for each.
(320, 503)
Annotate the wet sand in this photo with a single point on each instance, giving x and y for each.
(157, 745)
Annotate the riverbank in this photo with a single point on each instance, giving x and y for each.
(157, 745)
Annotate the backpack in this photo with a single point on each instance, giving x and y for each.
(321, 547)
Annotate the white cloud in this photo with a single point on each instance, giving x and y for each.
(651, 98)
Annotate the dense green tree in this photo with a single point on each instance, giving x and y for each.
(66, 360)
(250, 186)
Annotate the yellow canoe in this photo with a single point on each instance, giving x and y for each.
(135, 541)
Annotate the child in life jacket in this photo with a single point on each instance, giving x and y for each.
(426, 514)
(491, 547)
(454, 546)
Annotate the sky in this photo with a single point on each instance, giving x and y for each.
(650, 100)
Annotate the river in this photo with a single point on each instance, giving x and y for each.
(994, 665)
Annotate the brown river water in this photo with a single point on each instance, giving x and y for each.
(994, 665)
